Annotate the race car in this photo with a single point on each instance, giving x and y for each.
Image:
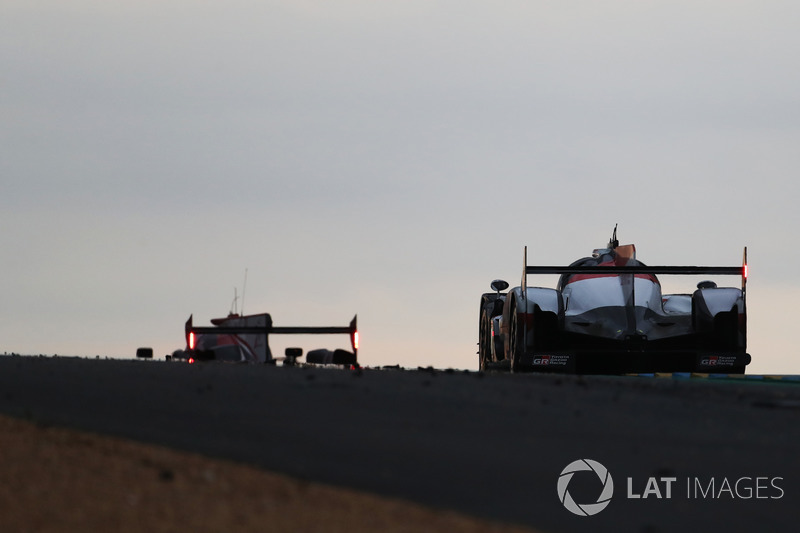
(607, 315)
(245, 339)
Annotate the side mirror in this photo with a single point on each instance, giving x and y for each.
(144, 353)
(499, 285)
(292, 354)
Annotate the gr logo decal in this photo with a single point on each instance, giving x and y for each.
(585, 509)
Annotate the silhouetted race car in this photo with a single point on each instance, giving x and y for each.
(245, 339)
(608, 315)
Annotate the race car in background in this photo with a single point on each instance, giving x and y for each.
(245, 339)
(608, 315)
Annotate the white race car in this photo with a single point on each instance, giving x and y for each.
(608, 315)
(245, 339)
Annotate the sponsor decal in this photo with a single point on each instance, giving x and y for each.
(718, 360)
(551, 360)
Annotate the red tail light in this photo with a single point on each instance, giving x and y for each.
(744, 270)
(354, 334)
(191, 340)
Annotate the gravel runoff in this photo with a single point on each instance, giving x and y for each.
(62, 480)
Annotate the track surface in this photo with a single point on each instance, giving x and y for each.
(488, 445)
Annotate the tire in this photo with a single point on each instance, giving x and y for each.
(488, 303)
(514, 352)
(484, 341)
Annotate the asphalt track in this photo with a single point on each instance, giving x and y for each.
(490, 445)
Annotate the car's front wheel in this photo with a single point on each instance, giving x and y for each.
(515, 344)
(484, 341)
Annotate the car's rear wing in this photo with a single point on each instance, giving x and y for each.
(639, 269)
(268, 329)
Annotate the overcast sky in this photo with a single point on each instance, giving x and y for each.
(386, 158)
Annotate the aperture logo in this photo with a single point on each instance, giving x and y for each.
(586, 509)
